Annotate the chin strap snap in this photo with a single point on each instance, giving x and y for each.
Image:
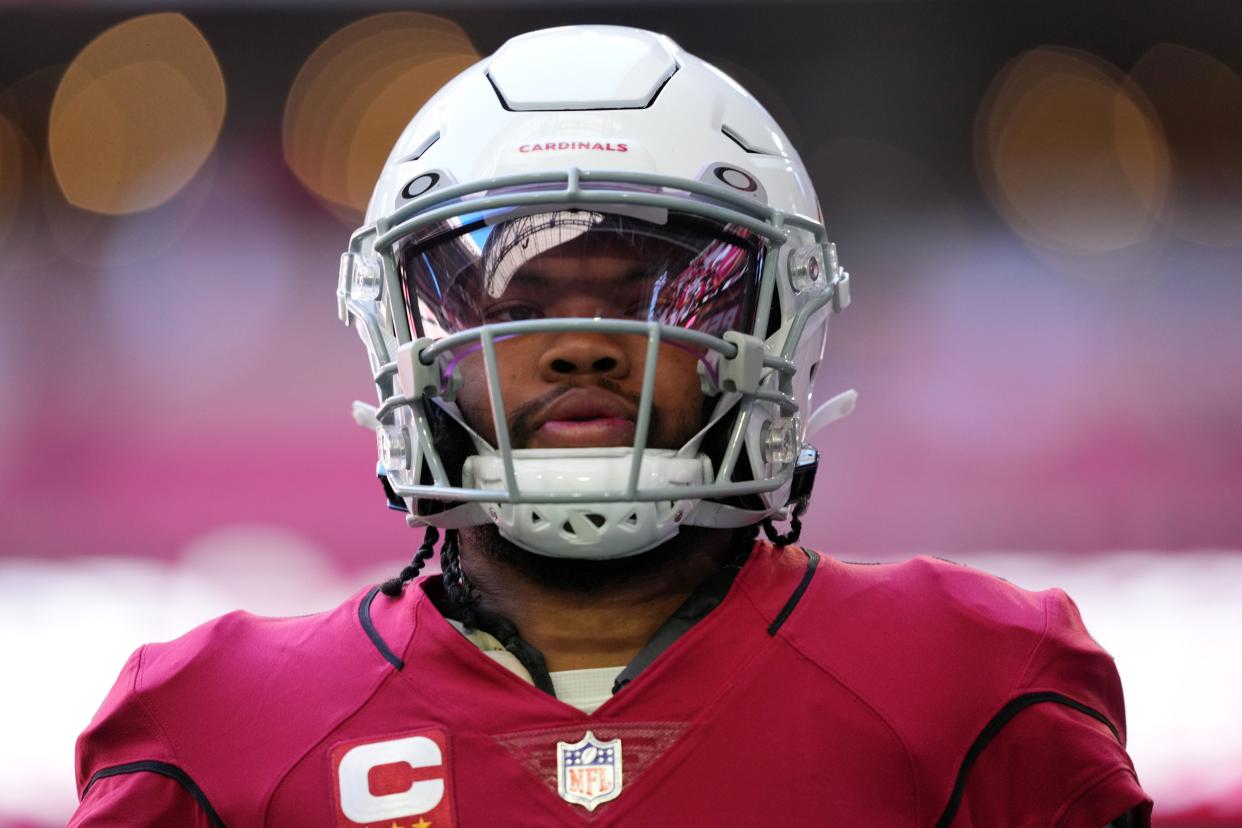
(799, 497)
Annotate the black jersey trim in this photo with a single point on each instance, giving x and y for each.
(163, 769)
(1002, 718)
(703, 600)
(368, 626)
(812, 561)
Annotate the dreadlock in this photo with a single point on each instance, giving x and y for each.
(463, 603)
(795, 525)
(393, 587)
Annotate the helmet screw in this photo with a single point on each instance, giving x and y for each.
(394, 448)
(779, 440)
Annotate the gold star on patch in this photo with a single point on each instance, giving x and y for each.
(422, 823)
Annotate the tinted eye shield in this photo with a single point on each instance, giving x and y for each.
(684, 271)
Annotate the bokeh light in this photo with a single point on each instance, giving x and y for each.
(358, 90)
(1199, 100)
(136, 115)
(106, 240)
(16, 163)
(25, 104)
(1071, 154)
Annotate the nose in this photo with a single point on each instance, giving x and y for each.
(578, 353)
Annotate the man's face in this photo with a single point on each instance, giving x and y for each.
(579, 389)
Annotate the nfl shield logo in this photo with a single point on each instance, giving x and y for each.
(588, 772)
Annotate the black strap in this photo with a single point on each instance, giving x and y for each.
(163, 769)
(993, 727)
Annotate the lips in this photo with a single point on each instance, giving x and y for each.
(585, 417)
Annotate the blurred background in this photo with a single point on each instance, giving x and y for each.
(1040, 205)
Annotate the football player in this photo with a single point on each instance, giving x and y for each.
(594, 285)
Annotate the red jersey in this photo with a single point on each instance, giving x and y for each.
(816, 693)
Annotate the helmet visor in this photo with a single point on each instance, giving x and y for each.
(506, 266)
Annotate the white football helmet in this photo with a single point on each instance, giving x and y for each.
(613, 131)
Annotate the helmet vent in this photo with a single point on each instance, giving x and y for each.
(631, 519)
(597, 519)
(613, 68)
(422, 147)
(737, 139)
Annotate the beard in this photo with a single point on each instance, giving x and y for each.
(572, 575)
(588, 578)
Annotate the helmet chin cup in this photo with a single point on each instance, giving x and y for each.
(587, 529)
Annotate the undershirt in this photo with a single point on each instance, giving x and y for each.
(584, 689)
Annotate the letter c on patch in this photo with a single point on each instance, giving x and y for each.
(362, 806)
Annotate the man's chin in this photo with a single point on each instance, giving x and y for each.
(580, 577)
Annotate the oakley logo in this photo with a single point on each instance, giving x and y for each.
(420, 185)
(735, 178)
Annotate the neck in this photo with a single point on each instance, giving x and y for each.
(583, 614)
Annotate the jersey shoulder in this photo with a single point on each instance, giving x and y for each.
(240, 654)
(953, 659)
(928, 634)
(212, 706)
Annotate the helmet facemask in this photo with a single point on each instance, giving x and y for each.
(692, 275)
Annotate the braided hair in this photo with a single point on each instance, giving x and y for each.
(795, 525)
(463, 598)
(464, 605)
(393, 587)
